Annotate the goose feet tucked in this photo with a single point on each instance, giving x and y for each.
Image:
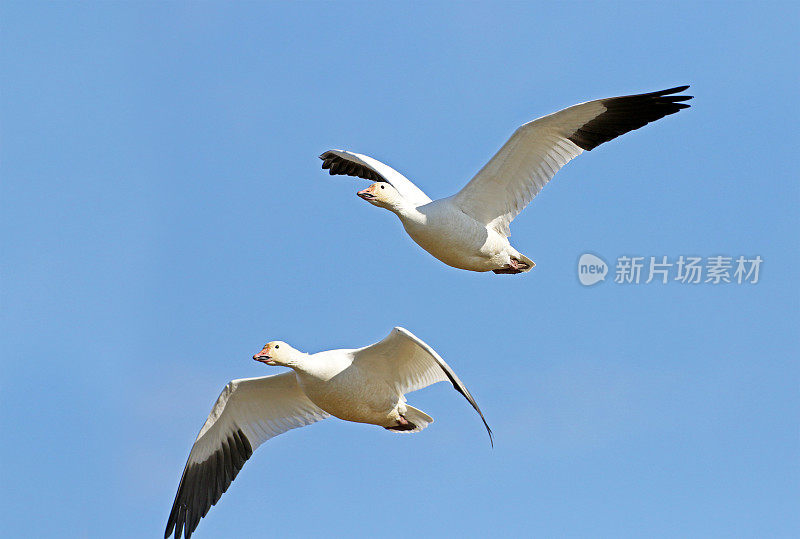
(402, 424)
(356, 385)
(515, 266)
(452, 228)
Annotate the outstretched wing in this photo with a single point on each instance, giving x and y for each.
(362, 166)
(247, 413)
(538, 149)
(407, 363)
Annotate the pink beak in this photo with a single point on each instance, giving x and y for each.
(263, 356)
(366, 194)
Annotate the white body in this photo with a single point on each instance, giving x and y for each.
(457, 239)
(344, 390)
(470, 229)
(364, 385)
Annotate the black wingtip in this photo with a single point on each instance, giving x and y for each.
(485, 424)
(675, 90)
(628, 113)
(202, 484)
(338, 165)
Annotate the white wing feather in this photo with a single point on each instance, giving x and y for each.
(523, 166)
(407, 364)
(262, 407)
(538, 149)
(350, 164)
(247, 413)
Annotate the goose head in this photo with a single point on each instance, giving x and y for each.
(277, 353)
(382, 194)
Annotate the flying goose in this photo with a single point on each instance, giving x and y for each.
(365, 385)
(470, 229)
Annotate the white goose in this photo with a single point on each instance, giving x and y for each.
(365, 385)
(470, 229)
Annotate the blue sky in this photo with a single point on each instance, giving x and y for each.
(164, 214)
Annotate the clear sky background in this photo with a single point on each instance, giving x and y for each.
(164, 215)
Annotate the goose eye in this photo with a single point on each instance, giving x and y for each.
(383, 187)
(277, 346)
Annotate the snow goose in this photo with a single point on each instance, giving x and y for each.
(470, 229)
(365, 385)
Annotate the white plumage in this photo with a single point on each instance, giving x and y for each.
(365, 385)
(470, 229)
